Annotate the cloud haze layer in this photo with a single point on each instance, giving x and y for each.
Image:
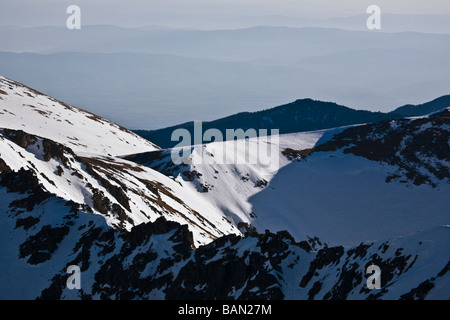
(151, 78)
(206, 14)
(201, 60)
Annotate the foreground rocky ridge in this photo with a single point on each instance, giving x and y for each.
(158, 260)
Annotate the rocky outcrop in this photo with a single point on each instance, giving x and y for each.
(159, 259)
(419, 148)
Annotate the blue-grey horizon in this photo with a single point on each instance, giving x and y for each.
(210, 14)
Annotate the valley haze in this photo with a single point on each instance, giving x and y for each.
(131, 74)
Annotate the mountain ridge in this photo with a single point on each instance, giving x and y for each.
(299, 116)
(305, 225)
(71, 126)
(76, 155)
(411, 110)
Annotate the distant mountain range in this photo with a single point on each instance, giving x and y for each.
(164, 77)
(298, 116)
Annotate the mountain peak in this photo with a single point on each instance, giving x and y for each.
(410, 110)
(22, 107)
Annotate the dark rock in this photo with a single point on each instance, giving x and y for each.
(57, 151)
(3, 166)
(101, 203)
(27, 222)
(324, 257)
(37, 197)
(41, 245)
(420, 292)
(21, 182)
(19, 137)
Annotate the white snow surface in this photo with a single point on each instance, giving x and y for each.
(95, 139)
(344, 200)
(178, 203)
(340, 198)
(22, 108)
(233, 184)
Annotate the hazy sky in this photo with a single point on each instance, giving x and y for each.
(234, 73)
(198, 13)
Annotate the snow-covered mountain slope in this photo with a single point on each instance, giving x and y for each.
(125, 193)
(231, 172)
(74, 155)
(342, 189)
(41, 238)
(22, 108)
(142, 227)
(368, 183)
